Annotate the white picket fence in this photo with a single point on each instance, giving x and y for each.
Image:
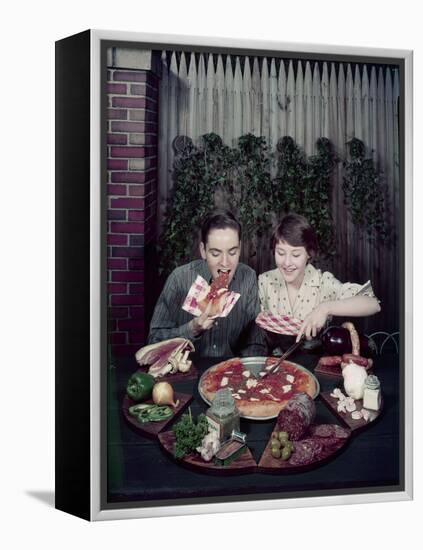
(338, 102)
(201, 93)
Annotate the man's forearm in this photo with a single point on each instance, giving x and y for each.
(158, 334)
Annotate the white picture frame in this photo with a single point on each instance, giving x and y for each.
(87, 49)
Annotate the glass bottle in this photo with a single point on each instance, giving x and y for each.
(223, 415)
(372, 395)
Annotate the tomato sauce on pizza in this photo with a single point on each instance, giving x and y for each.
(256, 396)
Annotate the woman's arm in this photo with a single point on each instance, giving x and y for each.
(357, 306)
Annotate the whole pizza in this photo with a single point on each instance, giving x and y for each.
(258, 396)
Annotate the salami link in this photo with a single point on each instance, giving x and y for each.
(357, 359)
(330, 361)
(355, 340)
(296, 416)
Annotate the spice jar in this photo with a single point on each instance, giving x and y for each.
(223, 415)
(372, 394)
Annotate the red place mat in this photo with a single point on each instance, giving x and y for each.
(279, 324)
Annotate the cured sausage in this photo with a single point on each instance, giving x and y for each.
(355, 340)
(330, 361)
(355, 356)
(297, 415)
(357, 359)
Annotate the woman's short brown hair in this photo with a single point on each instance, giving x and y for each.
(296, 231)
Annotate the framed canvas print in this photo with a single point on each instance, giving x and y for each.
(233, 275)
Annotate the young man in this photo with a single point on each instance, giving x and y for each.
(236, 334)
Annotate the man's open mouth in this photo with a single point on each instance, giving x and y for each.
(224, 271)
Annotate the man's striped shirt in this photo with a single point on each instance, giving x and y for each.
(234, 335)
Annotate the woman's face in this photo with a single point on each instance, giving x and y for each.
(291, 262)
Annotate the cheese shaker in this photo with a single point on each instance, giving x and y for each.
(223, 415)
(372, 394)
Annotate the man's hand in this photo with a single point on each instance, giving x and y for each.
(204, 322)
(314, 322)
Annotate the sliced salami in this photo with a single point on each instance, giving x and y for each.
(329, 430)
(306, 451)
(297, 416)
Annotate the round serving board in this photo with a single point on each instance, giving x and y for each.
(151, 429)
(256, 365)
(335, 371)
(270, 465)
(244, 464)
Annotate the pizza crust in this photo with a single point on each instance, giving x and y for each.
(260, 409)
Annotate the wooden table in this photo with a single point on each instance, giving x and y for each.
(140, 473)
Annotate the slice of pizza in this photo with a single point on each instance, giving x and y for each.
(216, 294)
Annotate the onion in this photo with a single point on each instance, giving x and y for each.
(163, 394)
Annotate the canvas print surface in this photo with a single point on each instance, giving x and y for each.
(254, 267)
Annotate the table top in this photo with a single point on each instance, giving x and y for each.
(140, 472)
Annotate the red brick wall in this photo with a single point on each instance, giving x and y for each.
(132, 196)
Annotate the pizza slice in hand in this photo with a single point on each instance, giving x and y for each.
(216, 294)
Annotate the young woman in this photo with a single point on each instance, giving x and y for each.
(297, 289)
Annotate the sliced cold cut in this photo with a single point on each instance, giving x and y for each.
(306, 451)
(329, 430)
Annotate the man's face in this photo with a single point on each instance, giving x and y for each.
(221, 251)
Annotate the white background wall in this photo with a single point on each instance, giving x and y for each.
(28, 32)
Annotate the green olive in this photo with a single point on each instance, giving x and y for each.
(276, 444)
(283, 436)
(276, 453)
(286, 453)
(289, 445)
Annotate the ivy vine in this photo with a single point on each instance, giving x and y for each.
(318, 194)
(304, 186)
(241, 177)
(254, 184)
(288, 185)
(198, 171)
(363, 192)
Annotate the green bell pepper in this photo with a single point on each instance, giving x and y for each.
(140, 386)
(150, 413)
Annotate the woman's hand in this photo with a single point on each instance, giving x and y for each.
(314, 322)
(204, 322)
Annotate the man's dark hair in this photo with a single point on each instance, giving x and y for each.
(296, 231)
(219, 219)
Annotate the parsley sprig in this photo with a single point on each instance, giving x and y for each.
(188, 434)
